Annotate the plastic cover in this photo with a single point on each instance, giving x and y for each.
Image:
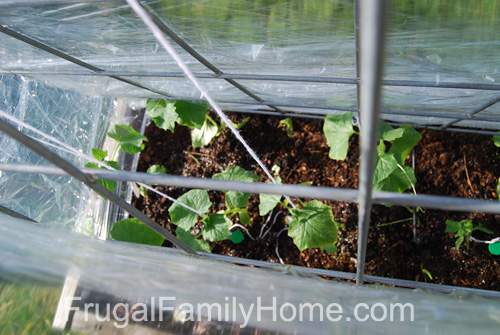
(435, 42)
(135, 273)
(78, 120)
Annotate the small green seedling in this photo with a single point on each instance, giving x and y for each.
(194, 115)
(134, 231)
(287, 124)
(237, 202)
(391, 174)
(242, 123)
(426, 272)
(100, 155)
(267, 202)
(313, 226)
(462, 231)
(129, 140)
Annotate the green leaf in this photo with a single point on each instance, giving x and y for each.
(313, 226)
(498, 189)
(156, 169)
(191, 114)
(110, 185)
(185, 218)
(216, 228)
(386, 165)
(267, 202)
(133, 230)
(496, 140)
(244, 217)
(453, 226)
(330, 249)
(191, 241)
(338, 130)
(129, 139)
(162, 113)
(203, 136)
(390, 134)
(99, 154)
(287, 124)
(236, 173)
(399, 181)
(402, 146)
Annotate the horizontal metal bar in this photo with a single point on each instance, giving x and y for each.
(61, 54)
(271, 77)
(313, 192)
(472, 115)
(314, 116)
(15, 214)
(295, 269)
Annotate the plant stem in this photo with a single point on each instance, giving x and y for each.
(394, 222)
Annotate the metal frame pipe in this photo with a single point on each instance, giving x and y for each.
(372, 29)
(89, 180)
(440, 202)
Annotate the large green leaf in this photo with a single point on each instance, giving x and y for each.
(129, 139)
(216, 228)
(163, 113)
(313, 226)
(191, 114)
(185, 218)
(133, 230)
(338, 130)
(191, 241)
(236, 173)
(402, 146)
(203, 136)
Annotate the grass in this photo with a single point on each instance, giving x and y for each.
(27, 309)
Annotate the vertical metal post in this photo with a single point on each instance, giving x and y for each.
(372, 28)
(356, 45)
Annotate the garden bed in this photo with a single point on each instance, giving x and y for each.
(446, 163)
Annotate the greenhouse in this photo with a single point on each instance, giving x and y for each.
(249, 167)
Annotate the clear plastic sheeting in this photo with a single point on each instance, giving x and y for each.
(75, 119)
(134, 273)
(429, 42)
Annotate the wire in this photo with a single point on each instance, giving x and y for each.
(160, 37)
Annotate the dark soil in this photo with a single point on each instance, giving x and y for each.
(455, 164)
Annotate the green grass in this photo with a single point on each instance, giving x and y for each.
(27, 309)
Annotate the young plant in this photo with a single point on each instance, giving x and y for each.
(215, 226)
(462, 231)
(194, 115)
(100, 155)
(129, 140)
(237, 202)
(313, 226)
(287, 125)
(391, 173)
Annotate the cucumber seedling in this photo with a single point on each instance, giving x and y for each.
(166, 114)
(394, 146)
